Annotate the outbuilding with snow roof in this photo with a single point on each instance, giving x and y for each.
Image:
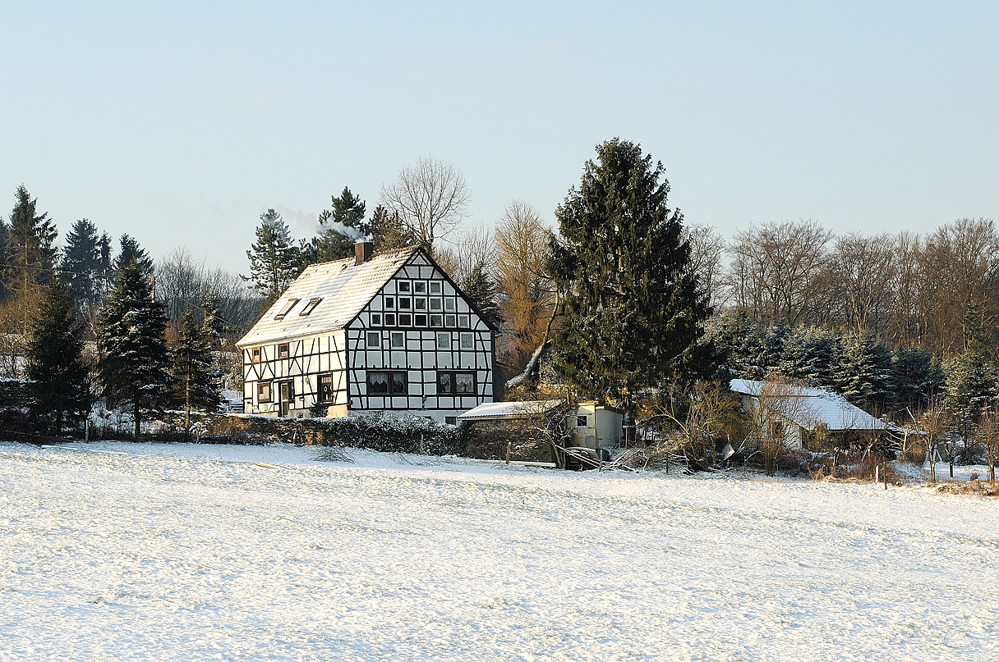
(375, 332)
(806, 416)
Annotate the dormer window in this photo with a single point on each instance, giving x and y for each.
(286, 309)
(309, 307)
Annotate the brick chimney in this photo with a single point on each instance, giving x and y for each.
(362, 251)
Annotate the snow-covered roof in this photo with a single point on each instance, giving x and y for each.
(343, 287)
(810, 407)
(509, 410)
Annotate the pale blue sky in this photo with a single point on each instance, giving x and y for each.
(182, 124)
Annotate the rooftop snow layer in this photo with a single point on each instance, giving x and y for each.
(509, 410)
(809, 407)
(344, 288)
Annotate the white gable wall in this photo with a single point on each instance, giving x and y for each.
(419, 336)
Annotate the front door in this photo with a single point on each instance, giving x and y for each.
(285, 394)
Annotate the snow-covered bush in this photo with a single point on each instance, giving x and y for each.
(396, 434)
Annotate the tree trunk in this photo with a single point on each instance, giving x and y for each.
(138, 420)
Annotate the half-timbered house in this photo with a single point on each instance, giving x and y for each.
(389, 332)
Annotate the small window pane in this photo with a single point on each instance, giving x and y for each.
(405, 320)
(404, 286)
(405, 303)
(309, 307)
(435, 304)
(398, 340)
(468, 341)
(580, 421)
(378, 383)
(463, 321)
(420, 287)
(390, 302)
(436, 320)
(286, 309)
(389, 319)
(264, 392)
(443, 341)
(374, 339)
(445, 385)
(449, 305)
(419, 320)
(435, 287)
(283, 351)
(376, 319)
(449, 320)
(420, 303)
(464, 383)
(399, 382)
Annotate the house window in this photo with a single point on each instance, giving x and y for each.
(436, 320)
(581, 421)
(390, 303)
(468, 341)
(254, 355)
(420, 287)
(420, 320)
(286, 309)
(263, 391)
(449, 320)
(405, 319)
(405, 303)
(463, 321)
(284, 351)
(387, 383)
(436, 303)
(435, 287)
(420, 303)
(450, 420)
(456, 383)
(374, 339)
(376, 319)
(309, 307)
(404, 286)
(389, 319)
(449, 305)
(444, 340)
(398, 340)
(325, 388)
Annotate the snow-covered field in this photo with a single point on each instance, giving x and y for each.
(146, 551)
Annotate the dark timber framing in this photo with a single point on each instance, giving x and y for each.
(443, 335)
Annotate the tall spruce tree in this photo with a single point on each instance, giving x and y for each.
(274, 258)
(31, 253)
(196, 380)
(81, 268)
(633, 308)
(58, 376)
(479, 286)
(130, 251)
(864, 373)
(132, 367)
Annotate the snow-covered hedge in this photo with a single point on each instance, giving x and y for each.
(396, 434)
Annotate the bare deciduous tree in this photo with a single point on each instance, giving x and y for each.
(861, 276)
(430, 198)
(528, 292)
(706, 249)
(775, 270)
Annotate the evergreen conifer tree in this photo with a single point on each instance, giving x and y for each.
(481, 289)
(30, 253)
(196, 380)
(388, 231)
(633, 307)
(971, 386)
(81, 269)
(918, 379)
(274, 258)
(132, 367)
(864, 374)
(130, 251)
(58, 376)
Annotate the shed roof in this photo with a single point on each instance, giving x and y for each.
(810, 407)
(493, 411)
(344, 289)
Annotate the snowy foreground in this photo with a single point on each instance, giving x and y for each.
(148, 551)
